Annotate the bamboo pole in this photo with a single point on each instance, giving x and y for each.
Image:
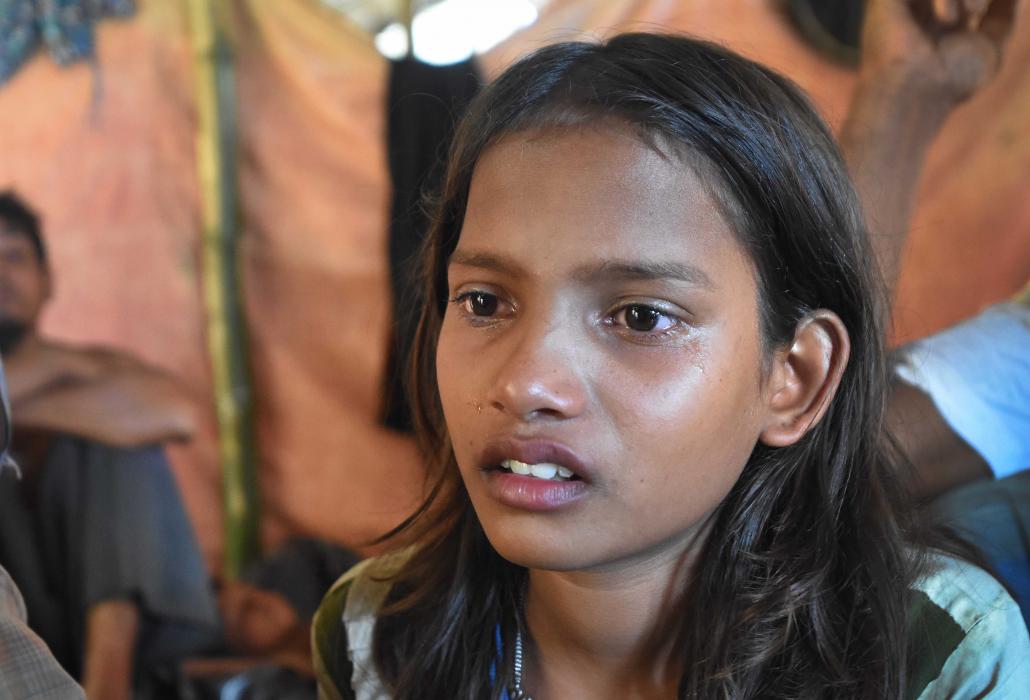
(216, 169)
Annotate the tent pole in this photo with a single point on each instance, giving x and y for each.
(216, 163)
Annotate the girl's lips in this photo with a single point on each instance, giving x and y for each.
(531, 493)
(533, 451)
(528, 492)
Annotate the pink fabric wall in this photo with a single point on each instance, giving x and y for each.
(107, 156)
(115, 178)
(315, 194)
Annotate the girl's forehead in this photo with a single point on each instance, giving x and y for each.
(591, 192)
(626, 149)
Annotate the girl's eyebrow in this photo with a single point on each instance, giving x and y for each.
(626, 270)
(647, 270)
(488, 261)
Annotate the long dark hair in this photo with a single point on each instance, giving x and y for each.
(803, 589)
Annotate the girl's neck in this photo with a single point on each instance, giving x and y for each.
(610, 632)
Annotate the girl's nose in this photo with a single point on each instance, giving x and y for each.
(540, 378)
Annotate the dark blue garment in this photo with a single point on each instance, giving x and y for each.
(89, 523)
(64, 27)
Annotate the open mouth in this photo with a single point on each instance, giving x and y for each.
(545, 470)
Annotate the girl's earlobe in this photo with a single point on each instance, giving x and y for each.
(805, 377)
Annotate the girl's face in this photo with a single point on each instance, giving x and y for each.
(603, 324)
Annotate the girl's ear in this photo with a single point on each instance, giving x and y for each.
(804, 378)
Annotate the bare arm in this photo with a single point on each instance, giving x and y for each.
(112, 629)
(39, 366)
(941, 458)
(920, 60)
(120, 401)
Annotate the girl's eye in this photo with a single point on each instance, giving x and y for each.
(481, 304)
(644, 319)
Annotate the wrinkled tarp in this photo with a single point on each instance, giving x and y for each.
(117, 185)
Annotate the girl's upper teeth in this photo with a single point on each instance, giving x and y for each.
(544, 470)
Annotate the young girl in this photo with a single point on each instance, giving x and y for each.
(649, 379)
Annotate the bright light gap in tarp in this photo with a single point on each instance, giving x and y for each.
(455, 30)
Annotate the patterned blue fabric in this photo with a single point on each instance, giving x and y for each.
(499, 657)
(63, 27)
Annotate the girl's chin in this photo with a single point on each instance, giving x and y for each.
(558, 557)
(548, 545)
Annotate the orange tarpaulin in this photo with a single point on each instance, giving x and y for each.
(108, 157)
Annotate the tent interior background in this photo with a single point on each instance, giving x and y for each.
(108, 153)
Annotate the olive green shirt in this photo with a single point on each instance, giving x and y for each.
(968, 633)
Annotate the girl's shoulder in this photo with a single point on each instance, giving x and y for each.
(342, 631)
(967, 635)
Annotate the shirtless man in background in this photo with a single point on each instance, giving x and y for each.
(99, 393)
(94, 528)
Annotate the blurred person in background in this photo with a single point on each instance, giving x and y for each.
(960, 405)
(961, 410)
(266, 621)
(96, 393)
(94, 534)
